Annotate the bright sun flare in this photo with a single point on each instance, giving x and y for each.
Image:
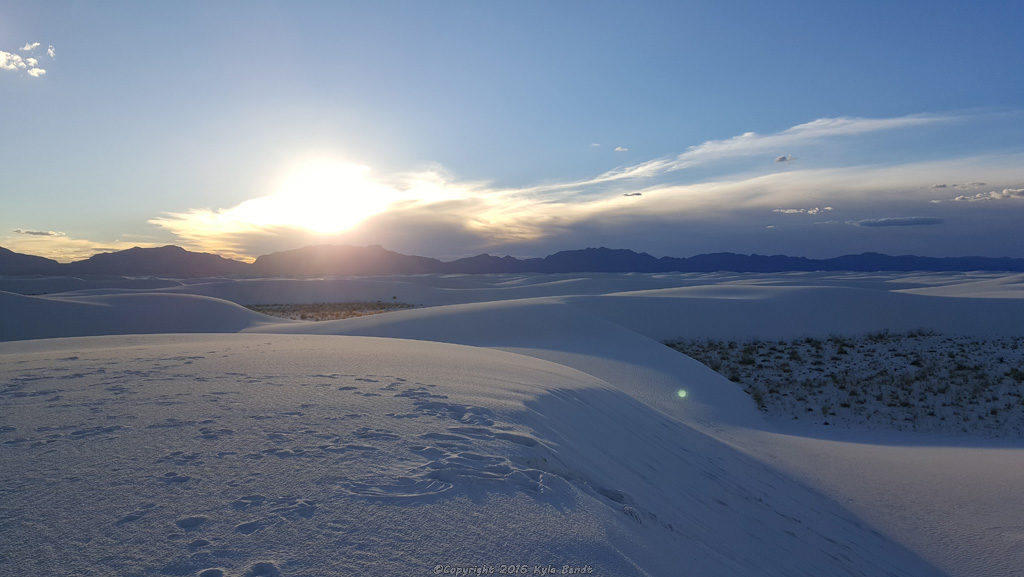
(322, 197)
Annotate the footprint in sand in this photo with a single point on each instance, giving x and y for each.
(248, 501)
(263, 569)
(293, 508)
(136, 514)
(174, 478)
(192, 523)
(402, 487)
(251, 527)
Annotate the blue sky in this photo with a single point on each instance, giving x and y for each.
(454, 128)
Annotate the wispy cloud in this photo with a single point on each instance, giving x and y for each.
(621, 149)
(785, 158)
(897, 221)
(29, 46)
(966, 185)
(750, 144)
(38, 232)
(51, 52)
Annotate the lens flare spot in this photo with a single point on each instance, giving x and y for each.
(681, 393)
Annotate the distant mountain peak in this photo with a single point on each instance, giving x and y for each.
(337, 260)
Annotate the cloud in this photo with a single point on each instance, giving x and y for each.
(785, 158)
(38, 232)
(51, 52)
(478, 216)
(961, 186)
(621, 149)
(897, 221)
(329, 199)
(59, 246)
(390, 209)
(814, 210)
(9, 61)
(750, 144)
(1006, 193)
(595, 144)
(12, 61)
(29, 46)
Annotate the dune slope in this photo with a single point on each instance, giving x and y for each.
(311, 455)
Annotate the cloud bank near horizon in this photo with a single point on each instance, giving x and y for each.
(733, 191)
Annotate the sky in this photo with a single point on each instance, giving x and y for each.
(451, 129)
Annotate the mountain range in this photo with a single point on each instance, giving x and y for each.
(325, 260)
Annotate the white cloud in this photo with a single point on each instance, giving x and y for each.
(750, 144)
(785, 158)
(1006, 193)
(595, 144)
(51, 52)
(9, 61)
(621, 149)
(12, 61)
(814, 210)
(29, 46)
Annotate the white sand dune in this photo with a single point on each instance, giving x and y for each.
(1001, 287)
(48, 285)
(569, 444)
(315, 455)
(38, 317)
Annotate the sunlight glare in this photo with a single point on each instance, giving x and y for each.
(322, 197)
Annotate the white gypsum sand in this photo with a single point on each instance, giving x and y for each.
(644, 481)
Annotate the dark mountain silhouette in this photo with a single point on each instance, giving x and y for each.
(327, 260)
(334, 259)
(341, 260)
(485, 263)
(16, 263)
(170, 260)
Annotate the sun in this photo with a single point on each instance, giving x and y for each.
(323, 197)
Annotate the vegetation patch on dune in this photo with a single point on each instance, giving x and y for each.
(329, 311)
(917, 381)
